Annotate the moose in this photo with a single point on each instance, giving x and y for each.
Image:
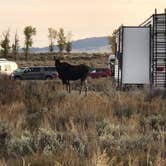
(68, 72)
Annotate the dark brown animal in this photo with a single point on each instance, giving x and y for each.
(68, 72)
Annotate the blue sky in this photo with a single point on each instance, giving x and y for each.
(84, 18)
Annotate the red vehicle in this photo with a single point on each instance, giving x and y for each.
(100, 72)
(161, 69)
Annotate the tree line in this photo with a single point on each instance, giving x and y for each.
(56, 37)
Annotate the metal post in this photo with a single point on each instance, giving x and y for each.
(118, 55)
(155, 58)
(165, 50)
(155, 11)
(122, 56)
(150, 56)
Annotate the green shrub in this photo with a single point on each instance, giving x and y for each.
(48, 141)
(126, 145)
(107, 129)
(130, 144)
(79, 146)
(22, 146)
(155, 122)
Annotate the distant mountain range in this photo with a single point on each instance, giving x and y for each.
(87, 45)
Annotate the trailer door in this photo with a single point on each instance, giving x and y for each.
(136, 55)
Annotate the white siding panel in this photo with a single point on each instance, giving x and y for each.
(136, 55)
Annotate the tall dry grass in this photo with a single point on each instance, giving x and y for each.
(40, 124)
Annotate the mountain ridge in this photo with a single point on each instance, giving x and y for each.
(87, 45)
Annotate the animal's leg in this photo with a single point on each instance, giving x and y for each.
(84, 81)
(63, 85)
(69, 86)
(81, 86)
(86, 87)
(67, 83)
(66, 87)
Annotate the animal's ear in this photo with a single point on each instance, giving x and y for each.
(57, 57)
(57, 62)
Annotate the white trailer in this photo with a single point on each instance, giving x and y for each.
(141, 53)
(7, 67)
(134, 55)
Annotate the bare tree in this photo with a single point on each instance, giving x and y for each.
(112, 42)
(29, 31)
(52, 34)
(68, 42)
(61, 40)
(4, 43)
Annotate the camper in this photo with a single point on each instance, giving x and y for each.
(7, 67)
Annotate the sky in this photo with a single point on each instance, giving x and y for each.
(83, 18)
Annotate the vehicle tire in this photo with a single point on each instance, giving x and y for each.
(17, 78)
(49, 78)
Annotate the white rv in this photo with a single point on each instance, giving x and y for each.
(7, 67)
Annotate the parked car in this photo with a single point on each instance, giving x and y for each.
(161, 69)
(35, 73)
(100, 72)
(7, 67)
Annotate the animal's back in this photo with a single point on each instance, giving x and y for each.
(76, 72)
(67, 71)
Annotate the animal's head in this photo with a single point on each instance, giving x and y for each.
(57, 61)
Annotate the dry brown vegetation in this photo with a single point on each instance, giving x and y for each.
(42, 125)
(93, 60)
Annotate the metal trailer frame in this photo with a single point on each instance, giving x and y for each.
(120, 53)
(157, 25)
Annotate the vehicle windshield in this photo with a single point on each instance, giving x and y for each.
(20, 69)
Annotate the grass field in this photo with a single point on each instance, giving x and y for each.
(42, 125)
(93, 60)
